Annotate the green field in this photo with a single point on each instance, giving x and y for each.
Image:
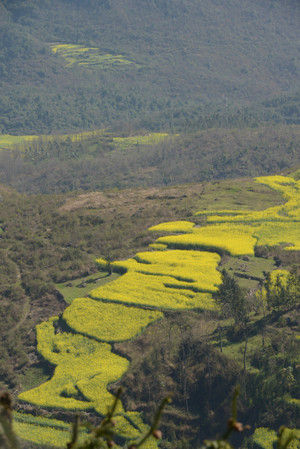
(81, 287)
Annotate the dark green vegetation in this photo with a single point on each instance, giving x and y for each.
(201, 359)
(97, 162)
(194, 64)
(223, 75)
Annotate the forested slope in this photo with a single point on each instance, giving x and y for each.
(165, 57)
(107, 160)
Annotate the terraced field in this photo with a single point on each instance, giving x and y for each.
(89, 57)
(180, 272)
(8, 141)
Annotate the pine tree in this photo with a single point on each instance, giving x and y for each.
(232, 299)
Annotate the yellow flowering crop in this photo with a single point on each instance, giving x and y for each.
(283, 275)
(193, 269)
(146, 290)
(273, 226)
(173, 226)
(231, 238)
(164, 279)
(264, 437)
(7, 140)
(80, 363)
(42, 435)
(272, 234)
(90, 57)
(107, 322)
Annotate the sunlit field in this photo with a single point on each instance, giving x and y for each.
(179, 271)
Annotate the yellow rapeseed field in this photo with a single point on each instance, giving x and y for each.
(79, 361)
(152, 290)
(173, 226)
(85, 316)
(234, 239)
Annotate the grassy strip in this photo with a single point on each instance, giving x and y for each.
(125, 143)
(84, 285)
(41, 435)
(40, 421)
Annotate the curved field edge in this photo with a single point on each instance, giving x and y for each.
(239, 232)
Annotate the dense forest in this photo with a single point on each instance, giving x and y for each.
(189, 64)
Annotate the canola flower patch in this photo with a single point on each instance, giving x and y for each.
(287, 212)
(90, 57)
(174, 279)
(125, 429)
(274, 226)
(22, 142)
(281, 274)
(235, 239)
(272, 234)
(271, 214)
(107, 322)
(8, 141)
(42, 435)
(79, 362)
(194, 270)
(295, 401)
(150, 290)
(173, 226)
(264, 437)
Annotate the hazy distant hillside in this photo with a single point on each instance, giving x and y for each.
(145, 57)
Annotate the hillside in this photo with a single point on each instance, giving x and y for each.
(63, 237)
(128, 61)
(149, 216)
(105, 160)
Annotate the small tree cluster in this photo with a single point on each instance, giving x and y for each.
(284, 292)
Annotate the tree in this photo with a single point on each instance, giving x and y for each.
(283, 292)
(232, 299)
